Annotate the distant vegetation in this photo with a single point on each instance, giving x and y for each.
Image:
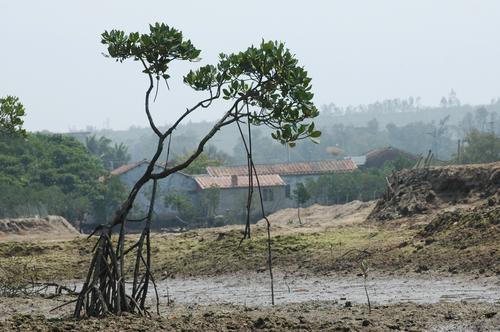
(212, 157)
(402, 123)
(52, 174)
(481, 147)
(363, 184)
(11, 116)
(110, 156)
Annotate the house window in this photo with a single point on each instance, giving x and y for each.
(267, 195)
(287, 191)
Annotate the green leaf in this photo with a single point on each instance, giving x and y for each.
(316, 133)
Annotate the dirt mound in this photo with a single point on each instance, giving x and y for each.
(320, 216)
(464, 227)
(50, 227)
(419, 191)
(480, 218)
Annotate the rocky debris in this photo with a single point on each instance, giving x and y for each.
(419, 191)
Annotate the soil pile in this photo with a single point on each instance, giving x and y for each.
(465, 227)
(50, 227)
(419, 191)
(319, 215)
(480, 218)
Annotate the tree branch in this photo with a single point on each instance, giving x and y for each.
(221, 123)
(146, 103)
(204, 104)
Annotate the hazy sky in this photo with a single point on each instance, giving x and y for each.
(357, 52)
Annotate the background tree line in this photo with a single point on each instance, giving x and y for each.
(362, 184)
(44, 174)
(402, 123)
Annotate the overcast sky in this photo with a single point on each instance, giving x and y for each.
(357, 52)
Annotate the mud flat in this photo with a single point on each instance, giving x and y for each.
(310, 316)
(253, 289)
(338, 295)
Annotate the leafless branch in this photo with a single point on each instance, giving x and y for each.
(146, 102)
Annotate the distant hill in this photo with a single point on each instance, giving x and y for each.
(400, 123)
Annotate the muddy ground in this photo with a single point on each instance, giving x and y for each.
(310, 316)
(254, 290)
(434, 267)
(414, 284)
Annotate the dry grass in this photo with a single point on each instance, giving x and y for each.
(216, 251)
(334, 238)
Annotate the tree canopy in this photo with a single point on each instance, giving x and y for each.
(11, 115)
(481, 147)
(267, 77)
(52, 174)
(271, 81)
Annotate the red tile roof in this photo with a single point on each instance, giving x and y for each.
(304, 168)
(207, 181)
(126, 168)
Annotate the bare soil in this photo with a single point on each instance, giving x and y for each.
(49, 228)
(318, 217)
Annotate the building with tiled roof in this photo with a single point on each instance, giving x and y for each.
(297, 168)
(231, 183)
(236, 181)
(128, 167)
(290, 173)
(130, 173)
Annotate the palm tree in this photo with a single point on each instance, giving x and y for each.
(120, 155)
